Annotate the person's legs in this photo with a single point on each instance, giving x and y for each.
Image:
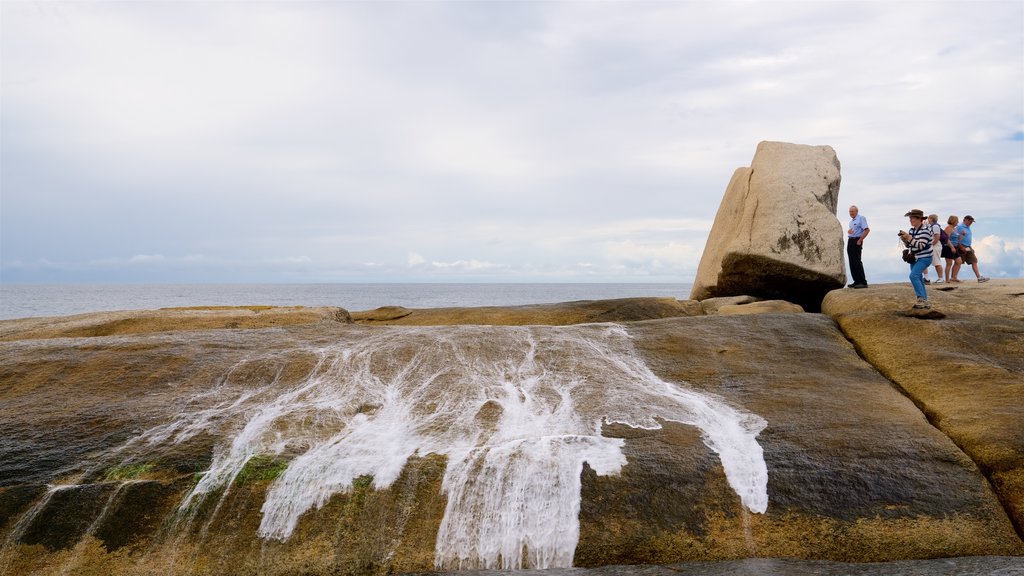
(853, 253)
(916, 278)
(956, 269)
(971, 258)
(977, 274)
(949, 267)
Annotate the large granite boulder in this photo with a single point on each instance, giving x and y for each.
(776, 235)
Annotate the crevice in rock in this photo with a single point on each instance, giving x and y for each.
(930, 416)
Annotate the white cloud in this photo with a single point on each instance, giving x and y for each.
(415, 259)
(652, 257)
(317, 137)
(146, 258)
(464, 265)
(998, 258)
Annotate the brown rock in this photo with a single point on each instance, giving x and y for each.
(855, 471)
(581, 312)
(923, 314)
(965, 371)
(762, 307)
(382, 314)
(167, 319)
(775, 234)
(711, 305)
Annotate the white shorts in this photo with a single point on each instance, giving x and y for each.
(937, 254)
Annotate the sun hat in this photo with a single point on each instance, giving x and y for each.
(915, 212)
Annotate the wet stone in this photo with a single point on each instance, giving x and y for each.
(67, 515)
(15, 501)
(137, 511)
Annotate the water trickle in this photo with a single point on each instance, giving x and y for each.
(7, 550)
(516, 411)
(70, 566)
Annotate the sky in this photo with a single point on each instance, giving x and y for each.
(229, 141)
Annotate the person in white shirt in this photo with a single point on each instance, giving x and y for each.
(933, 225)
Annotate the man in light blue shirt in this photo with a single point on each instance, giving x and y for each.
(962, 240)
(855, 236)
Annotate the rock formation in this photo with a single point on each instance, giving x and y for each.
(108, 442)
(776, 235)
(167, 319)
(965, 371)
(561, 314)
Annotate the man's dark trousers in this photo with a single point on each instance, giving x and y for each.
(853, 251)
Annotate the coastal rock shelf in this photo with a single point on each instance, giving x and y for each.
(314, 441)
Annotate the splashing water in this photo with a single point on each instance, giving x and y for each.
(516, 411)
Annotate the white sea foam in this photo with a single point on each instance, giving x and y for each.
(515, 410)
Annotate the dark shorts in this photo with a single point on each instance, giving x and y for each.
(948, 252)
(968, 256)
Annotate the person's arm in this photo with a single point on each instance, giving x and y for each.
(863, 235)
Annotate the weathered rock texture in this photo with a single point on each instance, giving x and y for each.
(776, 235)
(167, 319)
(856, 471)
(711, 305)
(561, 314)
(965, 371)
(761, 307)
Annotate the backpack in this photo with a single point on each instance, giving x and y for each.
(943, 237)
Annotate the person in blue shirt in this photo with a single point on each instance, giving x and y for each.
(855, 236)
(962, 235)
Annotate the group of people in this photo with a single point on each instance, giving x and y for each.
(928, 244)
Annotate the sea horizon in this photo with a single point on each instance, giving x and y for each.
(25, 300)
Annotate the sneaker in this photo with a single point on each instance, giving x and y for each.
(922, 304)
(927, 281)
(939, 281)
(982, 279)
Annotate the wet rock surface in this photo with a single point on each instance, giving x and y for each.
(972, 566)
(858, 469)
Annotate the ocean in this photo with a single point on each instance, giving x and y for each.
(35, 300)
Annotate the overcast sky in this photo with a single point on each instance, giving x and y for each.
(483, 141)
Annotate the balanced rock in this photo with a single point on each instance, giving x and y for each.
(776, 235)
